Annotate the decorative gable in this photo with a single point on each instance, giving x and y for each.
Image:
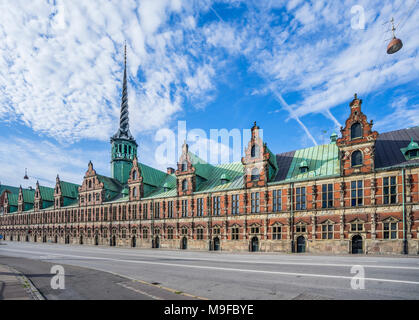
(92, 189)
(58, 198)
(357, 143)
(185, 173)
(135, 181)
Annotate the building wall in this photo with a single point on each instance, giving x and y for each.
(372, 214)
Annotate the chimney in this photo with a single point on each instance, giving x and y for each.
(170, 170)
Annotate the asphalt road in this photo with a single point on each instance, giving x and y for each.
(221, 275)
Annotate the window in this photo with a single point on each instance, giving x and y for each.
(327, 231)
(356, 158)
(114, 213)
(134, 175)
(390, 190)
(327, 195)
(255, 174)
(254, 152)
(357, 226)
(254, 229)
(235, 204)
(184, 231)
(235, 233)
(390, 230)
(157, 210)
(184, 166)
(200, 207)
(124, 233)
(277, 203)
(145, 211)
(170, 233)
(356, 193)
(255, 201)
(356, 130)
(216, 230)
(216, 206)
(170, 209)
(134, 211)
(300, 228)
(145, 233)
(300, 198)
(124, 212)
(184, 208)
(134, 191)
(185, 185)
(200, 234)
(105, 214)
(276, 232)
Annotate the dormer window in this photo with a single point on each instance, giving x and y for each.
(254, 151)
(356, 158)
(134, 175)
(356, 131)
(184, 166)
(224, 178)
(303, 166)
(411, 151)
(255, 174)
(185, 185)
(165, 187)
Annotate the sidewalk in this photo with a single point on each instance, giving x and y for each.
(15, 286)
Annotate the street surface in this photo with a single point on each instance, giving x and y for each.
(213, 275)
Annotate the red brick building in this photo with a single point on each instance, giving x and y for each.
(357, 194)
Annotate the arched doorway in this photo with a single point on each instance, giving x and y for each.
(301, 244)
(35, 238)
(113, 241)
(184, 244)
(67, 239)
(357, 244)
(96, 240)
(81, 239)
(27, 238)
(254, 246)
(56, 239)
(216, 244)
(133, 242)
(11, 237)
(157, 242)
(18, 237)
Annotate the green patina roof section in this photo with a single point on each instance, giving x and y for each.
(168, 182)
(28, 195)
(109, 183)
(322, 160)
(202, 168)
(272, 162)
(46, 193)
(214, 183)
(12, 197)
(69, 190)
(9, 188)
(152, 176)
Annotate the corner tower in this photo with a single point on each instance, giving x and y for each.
(124, 146)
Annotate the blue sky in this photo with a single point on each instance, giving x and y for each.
(292, 66)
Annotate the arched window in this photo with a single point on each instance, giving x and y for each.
(184, 185)
(356, 130)
(255, 174)
(134, 191)
(255, 151)
(90, 183)
(356, 158)
(134, 175)
(125, 149)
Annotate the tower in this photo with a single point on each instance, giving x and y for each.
(124, 146)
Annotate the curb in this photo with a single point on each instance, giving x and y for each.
(28, 285)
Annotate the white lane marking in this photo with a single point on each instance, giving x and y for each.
(220, 268)
(140, 291)
(252, 261)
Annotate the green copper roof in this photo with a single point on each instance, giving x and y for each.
(213, 184)
(202, 168)
(69, 190)
(321, 160)
(8, 188)
(109, 183)
(151, 176)
(12, 197)
(28, 195)
(47, 194)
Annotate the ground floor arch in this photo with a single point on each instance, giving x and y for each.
(254, 244)
(301, 244)
(217, 245)
(357, 244)
(184, 243)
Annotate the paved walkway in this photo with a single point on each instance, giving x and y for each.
(15, 286)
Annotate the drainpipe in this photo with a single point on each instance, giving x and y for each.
(404, 214)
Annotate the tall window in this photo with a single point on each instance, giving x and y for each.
(356, 158)
(300, 198)
(277, 203)
(145, 211)
(105, 214)
(356, 193)
(235, 233)
(327, 195)
(157, 210)
(184, 208)
(124, 213)
(356, 130)
(170, 233)
(185, 185)
(254, 152)
(200, 234)
(235, 204)
(113, 213)
(357, 226)
(327, 231)
(200, 207)
(145, 233)
(184, 166)
(390, 190)
(216, 206)
(170, 209)
(276, 232)
(255, 201)
(390, 230)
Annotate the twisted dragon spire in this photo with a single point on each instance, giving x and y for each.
(123, 131)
